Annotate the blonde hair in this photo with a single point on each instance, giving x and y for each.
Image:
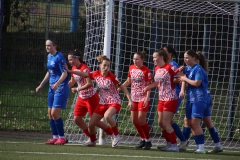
(101, 58)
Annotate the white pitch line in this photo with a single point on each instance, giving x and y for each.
(102, 155)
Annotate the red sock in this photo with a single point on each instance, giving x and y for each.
(92, 137)
(109, 131)
(86, 132)
(146, 130)
(115, 130)
(172, 137)
(139, 130)
(165, 135)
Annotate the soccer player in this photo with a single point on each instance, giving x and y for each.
(184, 142)
(110, 102)
(197, 82)
(88, 98)
(139, 76)
(168, 99)
(58, 91)
(207, 114)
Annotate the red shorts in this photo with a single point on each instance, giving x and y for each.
(138, 106)
(170, 106)
(101, 109)
(83, 106)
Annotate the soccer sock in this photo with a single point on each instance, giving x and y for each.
(165, 135)
(172, 137)
(178, 132)
(53, 129)
(214, 134)
(59, 126)
(92, 137)
(86, 132)
(186, 132)
(146, 131)
(109, 131)
(199, 139)
(115, 130)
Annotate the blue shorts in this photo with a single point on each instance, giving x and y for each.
(195, 110)
(58, 98)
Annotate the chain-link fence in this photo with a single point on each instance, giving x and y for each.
(25, 25)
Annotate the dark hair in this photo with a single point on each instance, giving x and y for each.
(141, 54)
(77, 54)
(162, 52)
(192, 53)
(54, 43)
(202, 61)
(170, 49)
(101, 58)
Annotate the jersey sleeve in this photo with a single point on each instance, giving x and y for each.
(129, 71)
(114, 79)
(173, 70)
(61, 61)
(148, 75)
(198, 74)
(92, 75)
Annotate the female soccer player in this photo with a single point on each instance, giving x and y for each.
(168, 99)
(88, 98)
(171, 52)
(197, 82)
(139, 76)
(110, 102)
(207, 114)
(58, 91)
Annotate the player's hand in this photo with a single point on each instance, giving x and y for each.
(181, 95)
(181, 68)
(74, 90)
(145, 90)
(130, 104)
(118, 89)
(145, 104)
(66, 67)
(55, 87)
(38, 89)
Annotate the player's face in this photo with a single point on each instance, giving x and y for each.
(71, 60)
(50, 48)
(189, 60)
(137, 60)
(105, 66)
(156, 58)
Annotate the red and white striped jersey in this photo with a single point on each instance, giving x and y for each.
(107, 87)
(81, 81)
(164, 77)
(139, 78)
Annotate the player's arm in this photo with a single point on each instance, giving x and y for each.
(183, 77)
(182, 91)
(87, 85)
(71, 82)
(150, 86)
(126, 83)
(85, 74)
(60, 80)
(124, 89)
(44, 81)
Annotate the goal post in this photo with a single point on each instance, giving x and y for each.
(208, 26)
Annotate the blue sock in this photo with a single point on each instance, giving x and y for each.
(59, 126)
(214, 134)
(199, 139)
(178, 132)
(186, 132)
(53, 127)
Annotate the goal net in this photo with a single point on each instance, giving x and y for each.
(208, 26)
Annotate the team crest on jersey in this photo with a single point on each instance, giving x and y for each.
(52, 63)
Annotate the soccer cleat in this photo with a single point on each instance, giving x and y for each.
(163, 148)
(51, 141)
(200, 151)
(183, 145)
(148, 145)
(115, 141)
(216, 149)
(60, 141)
(141, 144)
(89, 143)
(172, 149)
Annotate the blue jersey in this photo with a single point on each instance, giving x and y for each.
(176, 86)
(196, 94)
(55, 67)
